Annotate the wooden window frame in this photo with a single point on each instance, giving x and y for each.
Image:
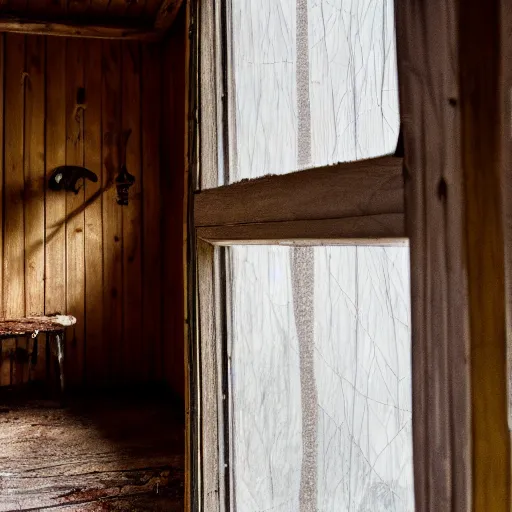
(460, 275)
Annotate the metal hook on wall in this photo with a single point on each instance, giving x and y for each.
(124, 179)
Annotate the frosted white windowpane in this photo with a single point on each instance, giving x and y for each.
(320, 379)
(350, 95)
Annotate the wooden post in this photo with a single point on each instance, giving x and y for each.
(452, 94)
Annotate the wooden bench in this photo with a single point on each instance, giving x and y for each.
(32, 326)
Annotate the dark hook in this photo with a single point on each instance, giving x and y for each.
(65, 177)
(124, 179)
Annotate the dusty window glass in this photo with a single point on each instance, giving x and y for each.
(320, 379)
(316, 77)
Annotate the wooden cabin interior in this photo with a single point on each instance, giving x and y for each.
(255, 255)
(76, 77)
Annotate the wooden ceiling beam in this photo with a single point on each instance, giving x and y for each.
(92, 29)
(75, 29)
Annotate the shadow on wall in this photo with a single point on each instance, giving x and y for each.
(68, 253)
(64, 102)
(25, 360)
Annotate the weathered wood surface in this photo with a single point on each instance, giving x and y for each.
(132, 214)
(96, 370)
(370, 229)
(112, 213)
(110, 456)
(450, 88)
(209, 438)
(75, 228)
(84, 253)
(104, 19)
(428, 62)
(355, 189)
(76, 29)
(29, 325)
(54, 236)
(14, 186)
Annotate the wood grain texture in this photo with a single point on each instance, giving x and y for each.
(506, 113)
(4, 362)
(152, 259)
(113, 456)
(76, 29)
(96, 370)
(208, 135)
(481, 81)
(371, 229)
(55, 154)
(132, 214)
(208, 445)
(440, 337)
(34, 164)
(450, 89)
(14, 238)
(75, 267)
(55, 202)
(112, 213)
(366, 187)
(63, 100)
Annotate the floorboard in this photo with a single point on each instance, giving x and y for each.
(107, 454)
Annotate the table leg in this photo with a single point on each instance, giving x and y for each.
(59, 340)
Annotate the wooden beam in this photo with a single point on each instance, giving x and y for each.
(506, 153)
(482, 88)
(210, 436)
(74, 28)
(382, 229)
(166, 15)
(450, 87)
(349, 190)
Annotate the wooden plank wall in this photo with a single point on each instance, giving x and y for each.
(67, 101)
(174, 158)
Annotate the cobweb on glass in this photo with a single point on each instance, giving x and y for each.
(337, 438)
(352, 90)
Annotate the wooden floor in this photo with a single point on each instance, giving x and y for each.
(95, 455)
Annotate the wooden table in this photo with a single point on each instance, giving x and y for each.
(54, 326)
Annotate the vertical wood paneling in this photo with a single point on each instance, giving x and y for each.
(14, 182)
(14, 239)
(482, 86)
(112, 213)
(4, 360)
(96, 370)
(34, 165)
(55, 202)
(152, 254)
(173, 174)
(55, 153)
(450, 89)
(132, 236)
(68, 102)
(75, 266)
